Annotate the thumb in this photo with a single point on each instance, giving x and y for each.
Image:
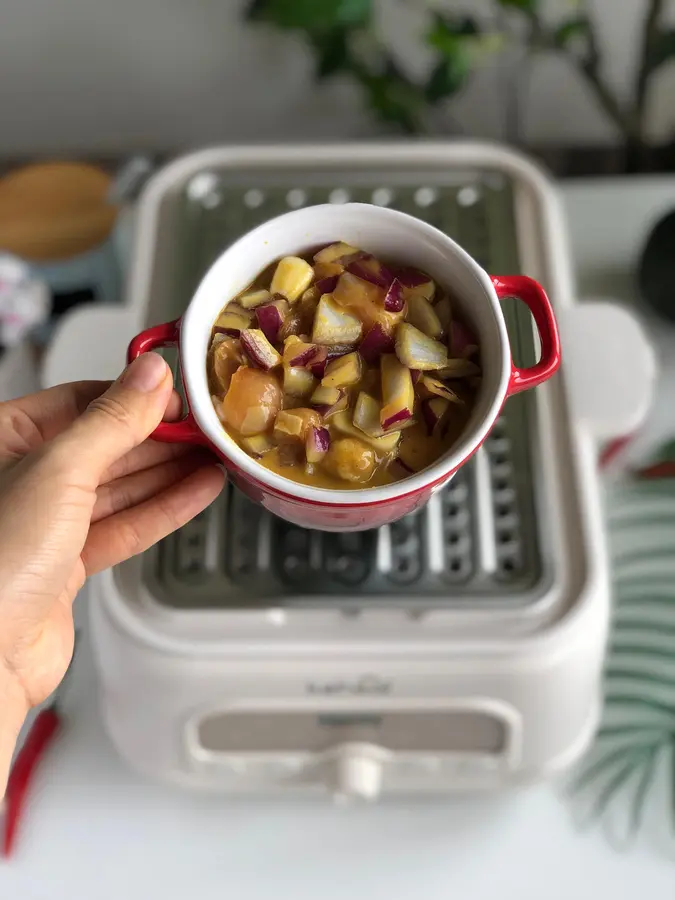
(121, 418)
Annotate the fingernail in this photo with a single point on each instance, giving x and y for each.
(145, 373)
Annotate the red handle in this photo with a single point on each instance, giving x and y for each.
(166, 335)
(534, 296)
(39, 737)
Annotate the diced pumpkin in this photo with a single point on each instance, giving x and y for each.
(292, 277)
(343, 371)
(333, 325)
(398, 394)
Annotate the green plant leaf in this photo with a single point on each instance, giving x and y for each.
(528, 6)
(447, 77)
(570, 30)
(456, 40)
(662, 50)
(332, 53)
(447, 32)
(394, 98)
(311, 15)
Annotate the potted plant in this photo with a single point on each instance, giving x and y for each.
(346, 41)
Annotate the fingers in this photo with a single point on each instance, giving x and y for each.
(26, 423)
(133, 489)
(150, 453)
(116, 422)
(132, 531)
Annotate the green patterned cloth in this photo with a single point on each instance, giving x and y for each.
(636, 741)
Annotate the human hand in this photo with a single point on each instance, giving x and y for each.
(81, 489)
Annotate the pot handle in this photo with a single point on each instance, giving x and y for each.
(185, 431)
(534, 296)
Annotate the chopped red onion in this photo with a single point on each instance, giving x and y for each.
(376, 342)
(271, 318)
(326, 285)
(433, 413)
(462, 342)
(410, 277)
(317, 444)
(393, 299)
(304, 355)
(258, 349)
(369, 269)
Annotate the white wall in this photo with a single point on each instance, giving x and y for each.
(116, 75)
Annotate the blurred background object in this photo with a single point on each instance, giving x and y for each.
(346, 39)
(586, 87)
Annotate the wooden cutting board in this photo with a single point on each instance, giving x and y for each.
(55, 211)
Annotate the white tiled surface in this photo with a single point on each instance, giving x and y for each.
(95, 830)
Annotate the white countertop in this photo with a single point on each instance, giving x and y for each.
(96, 831)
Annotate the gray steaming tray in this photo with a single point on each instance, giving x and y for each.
(480, 541)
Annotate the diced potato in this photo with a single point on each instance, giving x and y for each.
(327, 401)
(258, 445)
(327, 270)
(252, 401)
(334, 252)
(422, 315)
(366, 300)
(251, 299)
(385, 444)
(343, 371)
(333, 325)
(398, 394)
(292, 277)
(418, 351)
(227, 356)
(292, 424)
(367, 415)
(233, 319)
(298, 382)
(351, 460)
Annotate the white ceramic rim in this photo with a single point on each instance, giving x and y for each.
(194, 334)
